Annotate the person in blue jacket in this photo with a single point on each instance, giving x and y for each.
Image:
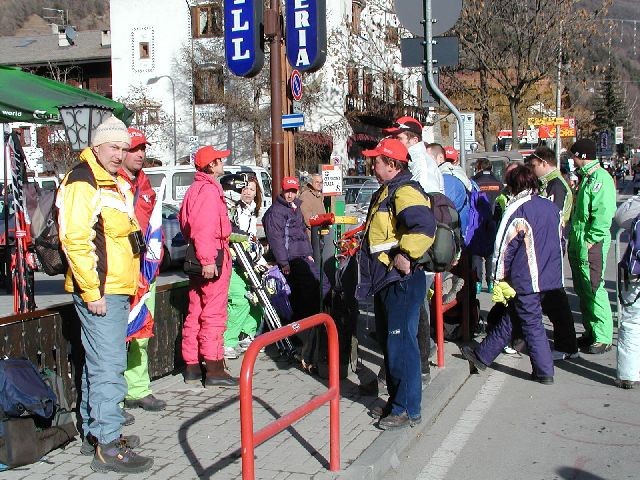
(399, 229)
(527, 263)
(286, 234)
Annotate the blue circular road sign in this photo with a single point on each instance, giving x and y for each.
(296, 85)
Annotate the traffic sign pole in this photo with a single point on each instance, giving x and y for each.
(428, 35)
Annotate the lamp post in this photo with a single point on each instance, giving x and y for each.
(153, 80)
(80, 121)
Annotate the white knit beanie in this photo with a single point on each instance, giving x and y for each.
(110, 130)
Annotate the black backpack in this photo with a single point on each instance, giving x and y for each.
(45, 234)
(448, 238)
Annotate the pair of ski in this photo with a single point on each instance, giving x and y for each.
(270, 314)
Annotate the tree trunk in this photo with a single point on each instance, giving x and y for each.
(484, 109)
(513, 108)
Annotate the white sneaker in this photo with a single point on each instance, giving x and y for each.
(245, 342)
(509, 351)
(557, 355)
(230, 353)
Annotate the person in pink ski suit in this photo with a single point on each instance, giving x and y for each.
(205, 224)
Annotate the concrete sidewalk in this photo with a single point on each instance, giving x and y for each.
(198, 435)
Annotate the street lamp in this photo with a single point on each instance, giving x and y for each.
(153, 80)
(80, 121)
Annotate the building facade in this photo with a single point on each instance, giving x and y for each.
(168, 54)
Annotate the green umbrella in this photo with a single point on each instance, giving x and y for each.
(25, 97)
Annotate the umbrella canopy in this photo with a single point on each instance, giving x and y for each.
(25, 97)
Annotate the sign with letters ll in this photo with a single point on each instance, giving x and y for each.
(331, 180)
(243, 36)
(306, 34)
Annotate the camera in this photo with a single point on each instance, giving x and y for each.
(137, 242)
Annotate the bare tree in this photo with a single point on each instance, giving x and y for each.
(518, 44)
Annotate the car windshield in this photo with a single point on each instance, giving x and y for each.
(364, 196)
(350, 194)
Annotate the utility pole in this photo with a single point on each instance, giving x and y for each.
(559, 101)
(273, 33)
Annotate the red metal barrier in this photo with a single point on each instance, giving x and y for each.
(251, 439)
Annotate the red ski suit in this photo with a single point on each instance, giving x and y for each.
(205, 222)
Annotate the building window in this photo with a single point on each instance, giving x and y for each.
(206, 20)
(149, 115)
(391, 35)
(356, 12)
(209, 85)
(143, 49)
(399, 91)
(353, 81)
(367, 83)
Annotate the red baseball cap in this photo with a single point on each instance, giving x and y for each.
(290, 183)
(137, 138)
(404, 124)
(452, 153)
(205, 155)
(389, 147)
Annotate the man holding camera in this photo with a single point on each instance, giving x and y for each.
(97, 231)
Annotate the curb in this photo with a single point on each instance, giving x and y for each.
(386, 451)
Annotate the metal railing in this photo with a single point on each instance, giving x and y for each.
(251, 439)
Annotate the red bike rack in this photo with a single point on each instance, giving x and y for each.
(251, 439)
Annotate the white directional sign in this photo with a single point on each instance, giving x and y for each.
(331, 180)
(619, 135)
(469, 130)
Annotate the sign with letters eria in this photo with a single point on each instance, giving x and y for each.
(243, 36)
(306, 34)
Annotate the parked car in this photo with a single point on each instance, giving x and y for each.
(359, 205)
(499, 161)
(356, 180)
(175, 246)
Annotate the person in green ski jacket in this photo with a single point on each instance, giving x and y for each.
(589, 241)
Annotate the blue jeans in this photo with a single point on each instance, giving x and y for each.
(103, 382)
(397, 311)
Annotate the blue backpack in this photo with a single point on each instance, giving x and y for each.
(629, 265)
(481, 226)
(23, 391)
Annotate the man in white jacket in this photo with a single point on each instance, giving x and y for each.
(422, 166)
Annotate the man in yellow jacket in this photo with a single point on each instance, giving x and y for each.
(98, 232)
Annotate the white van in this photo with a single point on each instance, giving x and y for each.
(180, 177)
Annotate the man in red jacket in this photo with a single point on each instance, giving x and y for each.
(139, 393)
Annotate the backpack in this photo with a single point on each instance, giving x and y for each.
(447, 240)
(32, 422)
(45, 234)
(629, 265)
(481, 227)
(23, 391)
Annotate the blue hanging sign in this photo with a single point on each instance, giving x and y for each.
(306, 34)
(243, 46)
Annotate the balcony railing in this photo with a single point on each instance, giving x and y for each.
(373, 106)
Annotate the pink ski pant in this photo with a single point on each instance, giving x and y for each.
(207, 318)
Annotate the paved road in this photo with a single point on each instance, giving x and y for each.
(501, 425)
